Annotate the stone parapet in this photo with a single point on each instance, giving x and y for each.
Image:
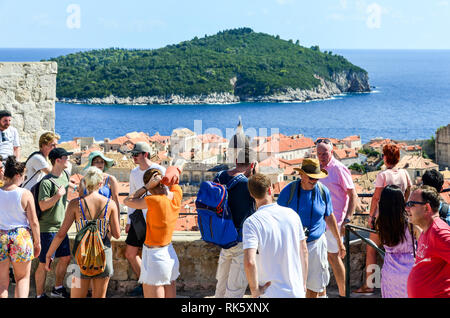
(198, 265)
(28, 91)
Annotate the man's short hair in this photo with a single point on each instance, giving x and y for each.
(246, 156)
(4, 113)
(431, 196)
(433, 178)
(258, 185)
(47, 138)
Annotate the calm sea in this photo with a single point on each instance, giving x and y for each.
(410, 100)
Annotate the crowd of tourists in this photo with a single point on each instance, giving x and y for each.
(281, 249)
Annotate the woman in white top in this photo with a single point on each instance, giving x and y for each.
(391, 176)
(37, 165)
(19, 230)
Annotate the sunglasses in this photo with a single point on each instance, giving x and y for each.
(136, 154)
(410, 204)
(322, 140)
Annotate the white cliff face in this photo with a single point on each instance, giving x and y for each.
(28, 91)
(344, 82)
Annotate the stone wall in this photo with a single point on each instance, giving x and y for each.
(198, 264)
(28, 91)
(443, 147)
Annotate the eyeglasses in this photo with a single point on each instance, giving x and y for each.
(322, 140)
(410, 204)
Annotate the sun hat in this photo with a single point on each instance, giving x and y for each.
(311, 167)
(108, 162)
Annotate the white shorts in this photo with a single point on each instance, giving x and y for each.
(160, 266)
(332, 244)
(318, 273)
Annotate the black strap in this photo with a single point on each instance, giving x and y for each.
(411, 227)
(99, 213)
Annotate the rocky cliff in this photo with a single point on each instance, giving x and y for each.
(344, 82)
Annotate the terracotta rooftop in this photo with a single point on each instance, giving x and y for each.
(416, 162)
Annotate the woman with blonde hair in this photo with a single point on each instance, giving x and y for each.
(92, 206)
(19, 230)
(110, 187)
(160, 265)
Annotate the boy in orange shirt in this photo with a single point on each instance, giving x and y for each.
(160, 265)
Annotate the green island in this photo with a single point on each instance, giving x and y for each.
(239, 62)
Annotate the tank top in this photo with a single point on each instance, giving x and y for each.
(12, 215)
(102, 223)
(105, 190)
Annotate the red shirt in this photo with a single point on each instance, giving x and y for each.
(430, 275)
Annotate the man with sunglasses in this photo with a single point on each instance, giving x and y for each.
(430, 275)
(141, 155)
(312, 201)
(344, 198)
(9, 137)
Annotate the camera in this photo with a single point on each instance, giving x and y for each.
(306, 231)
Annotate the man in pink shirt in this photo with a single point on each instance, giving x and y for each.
(430, 275)
(344, 199)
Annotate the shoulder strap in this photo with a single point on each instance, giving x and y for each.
(293, 188)
(34, 153)
(87, 207)
(81, 208)
(34, 175)
(234, 181)
(322, 193)
(217, 177)
(105, 208)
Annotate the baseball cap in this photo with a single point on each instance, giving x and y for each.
(58, 153)
(141, 146)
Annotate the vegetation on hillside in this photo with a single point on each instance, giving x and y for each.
(238, 61)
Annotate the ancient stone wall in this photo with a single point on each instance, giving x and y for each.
(28, 91)
(198, 265)
(443, 147)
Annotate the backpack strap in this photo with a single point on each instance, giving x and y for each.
(293, 188)
(81, 208)
(234, 181)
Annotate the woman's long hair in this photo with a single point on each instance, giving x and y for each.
(391, 221)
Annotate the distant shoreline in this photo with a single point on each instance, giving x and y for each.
(325, 91)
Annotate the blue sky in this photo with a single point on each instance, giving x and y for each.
(338, 24)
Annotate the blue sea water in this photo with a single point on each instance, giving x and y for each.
(410, 100)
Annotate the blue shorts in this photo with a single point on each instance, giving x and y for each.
(46, 240)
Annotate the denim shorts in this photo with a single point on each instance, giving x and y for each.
(61, 251)
(17, 245)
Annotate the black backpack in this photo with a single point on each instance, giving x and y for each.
(35, 192)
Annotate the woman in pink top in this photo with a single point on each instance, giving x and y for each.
(391, 176)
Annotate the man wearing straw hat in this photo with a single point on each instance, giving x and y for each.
(312, 201)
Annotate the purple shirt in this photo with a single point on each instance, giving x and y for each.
(339, 180)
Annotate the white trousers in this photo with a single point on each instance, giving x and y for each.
(231, 278)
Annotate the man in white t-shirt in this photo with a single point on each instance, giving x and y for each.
(37, 165)
(9, 140)
(275, 250)
(141, 156)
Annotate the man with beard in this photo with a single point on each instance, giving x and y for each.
(9, 140)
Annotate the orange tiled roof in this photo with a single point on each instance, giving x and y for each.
(352, 138)
(286, 144)
(446, 195)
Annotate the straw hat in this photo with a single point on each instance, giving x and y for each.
(311, 167)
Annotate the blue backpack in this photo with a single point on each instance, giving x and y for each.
(213, 214)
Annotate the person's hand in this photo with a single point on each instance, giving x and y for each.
(36, 249)
(261, 290)
(172, 176)
(342, 250)
(127, 228)
(48, 262)
(153, 182)
(61, 192)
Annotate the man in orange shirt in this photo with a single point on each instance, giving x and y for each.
(160, 265)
